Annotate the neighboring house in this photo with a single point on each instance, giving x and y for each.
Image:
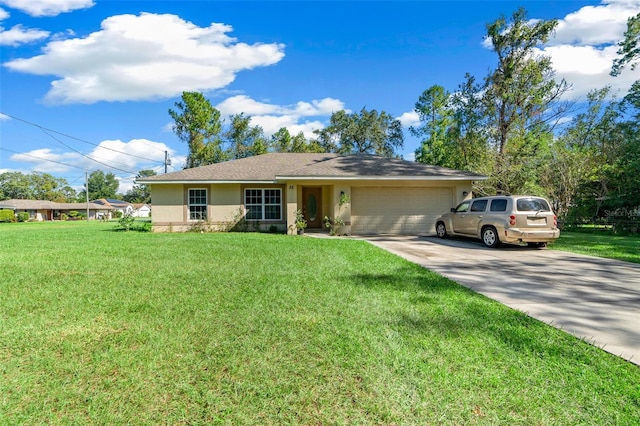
(141, 210)
(370, 194)
(117, 205)
(41, 210)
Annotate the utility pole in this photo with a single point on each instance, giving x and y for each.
(86, 186)
(167, 161)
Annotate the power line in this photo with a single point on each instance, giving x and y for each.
(42, 159)
(84, 155)
(47, 130)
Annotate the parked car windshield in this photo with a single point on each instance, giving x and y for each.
(463, 207)
(532, 205)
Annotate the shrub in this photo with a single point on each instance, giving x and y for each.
(23, 217)
(126, 221)
(7, 216)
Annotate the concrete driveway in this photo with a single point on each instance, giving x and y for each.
(595, 299)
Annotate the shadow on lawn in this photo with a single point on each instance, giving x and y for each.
(445, 310)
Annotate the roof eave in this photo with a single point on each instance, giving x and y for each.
(205, 181)
(384, 178)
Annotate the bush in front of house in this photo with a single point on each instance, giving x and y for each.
(7, 216)
(23, 217)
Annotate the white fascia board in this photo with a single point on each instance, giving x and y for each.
(203, 182)
(380, 178)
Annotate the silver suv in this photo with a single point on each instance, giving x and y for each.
(502, 219)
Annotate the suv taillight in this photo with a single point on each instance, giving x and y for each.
(512, 220)
(555, 221)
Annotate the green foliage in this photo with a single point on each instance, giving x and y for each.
(629, 48)
(23, 217)
(282, 141)
(434, 109)
(7, 216)
(35, 186)
(101, 185)
(198, 124)
(367, 132)
(301, 223)
(335, 224)
(243, 139)
(126, 222)
(520, 97)
(140, 193)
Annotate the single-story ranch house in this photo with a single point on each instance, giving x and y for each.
(41, 210)
(370, 194)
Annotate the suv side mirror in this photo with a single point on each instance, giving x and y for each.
(452, 210)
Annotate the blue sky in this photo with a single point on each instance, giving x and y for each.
(101, 74)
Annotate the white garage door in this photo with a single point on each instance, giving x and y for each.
(410, 211)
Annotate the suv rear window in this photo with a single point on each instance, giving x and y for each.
(532, 205)
(499, 205)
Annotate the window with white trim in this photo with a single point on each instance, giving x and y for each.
(197, 204)
(263, 204)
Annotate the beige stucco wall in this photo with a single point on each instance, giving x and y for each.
(168, 203)
(225, 207)
(226, 201)
(331, 194)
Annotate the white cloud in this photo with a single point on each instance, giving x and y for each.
(145, 57)
(273, 117)
(47, 7)
(131, 156)
(242, 103)
(585, 45)
(409, 119)
(3, 14)
(18, 35)
(595, 25)
(4, 117)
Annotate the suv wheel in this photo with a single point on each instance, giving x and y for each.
(490, 237)
(441, 230)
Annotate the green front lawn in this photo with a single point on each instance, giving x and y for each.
(103, 327)
(600, 244)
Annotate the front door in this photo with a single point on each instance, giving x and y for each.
(311, 208)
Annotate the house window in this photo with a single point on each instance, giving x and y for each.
(263, 204)
(197, 204)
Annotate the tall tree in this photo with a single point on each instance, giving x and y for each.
(38, 186)
(15, 185)
(629, 48)
(519, 95)
(243, 139)
(364, 132)
(140, 193)
(281, 140)
(581, 171)
(198, 124)
(435, 113)
(468, 131)
(100, 185)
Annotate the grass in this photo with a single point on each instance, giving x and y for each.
(600, 244)
(103, 327)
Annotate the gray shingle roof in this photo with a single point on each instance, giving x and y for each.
(274, 166)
